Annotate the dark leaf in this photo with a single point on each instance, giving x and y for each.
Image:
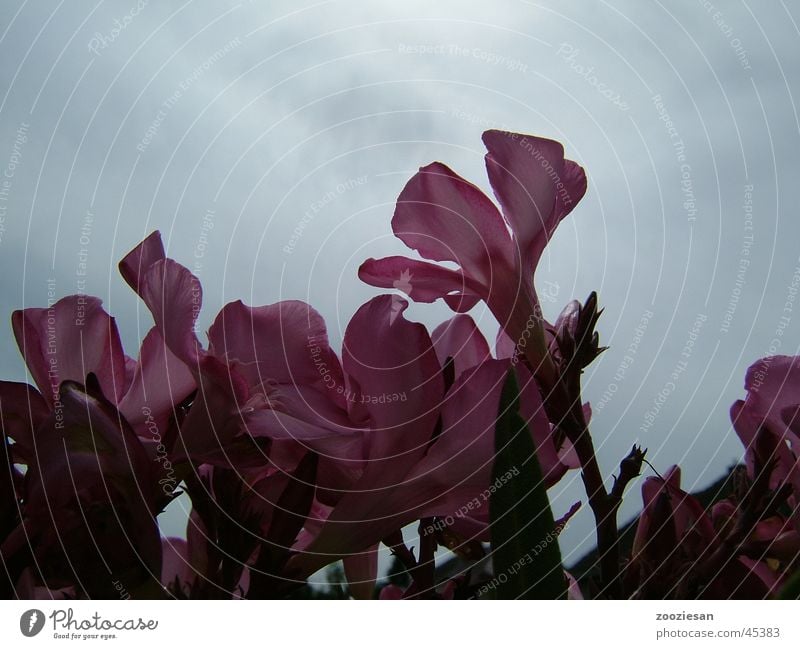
(525, 552)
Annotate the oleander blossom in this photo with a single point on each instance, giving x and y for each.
(767, 422)
(93, 439)
(746, 544)
(389, 447)
(296, 457)
(448, 219)
(684, 551)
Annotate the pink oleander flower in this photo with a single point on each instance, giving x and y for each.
(767, 422)
(272, 391)
(262, 388)
(269, 374)
(448, 219)
(460, 339)
(452, 471)
(94, 439)
(682, 551)
(449, 482)
(76, 337)
(294, 452)
(88, 503)
(239, 534)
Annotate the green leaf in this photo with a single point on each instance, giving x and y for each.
(791, 589)
(525, 552)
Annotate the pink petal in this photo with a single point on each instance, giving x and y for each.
(391, 592)
(160, 382)
(306, 403)
(461, 302)
(361, 571)
(504, 347)
(573, 588)
(574, 179)
(692, 525)
(87, 456)
(284, 343)
(460, 339)
(447, 218)
(68, 341)
(332, 442)
(215, 417)
(137, 262)
(422, 281)
(459, 463)
(522, 170)
(22, 411)
(396, 380)
(535, 186)
(652, 488)
(174, 297)
(773, 386)
(175, 562)
(455, 470)
(227, 415)
(227, 421)
(746, 425)
(785, 546)
(749, 426)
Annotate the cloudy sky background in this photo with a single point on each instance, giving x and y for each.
(221, 124)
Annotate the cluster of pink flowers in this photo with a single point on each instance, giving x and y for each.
(295, 457)
(748, 544)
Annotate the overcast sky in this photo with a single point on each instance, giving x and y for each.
(224, 124)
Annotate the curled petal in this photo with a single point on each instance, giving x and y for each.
(137, 262)
(174, 297)
(574, 179)
(447, 218)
